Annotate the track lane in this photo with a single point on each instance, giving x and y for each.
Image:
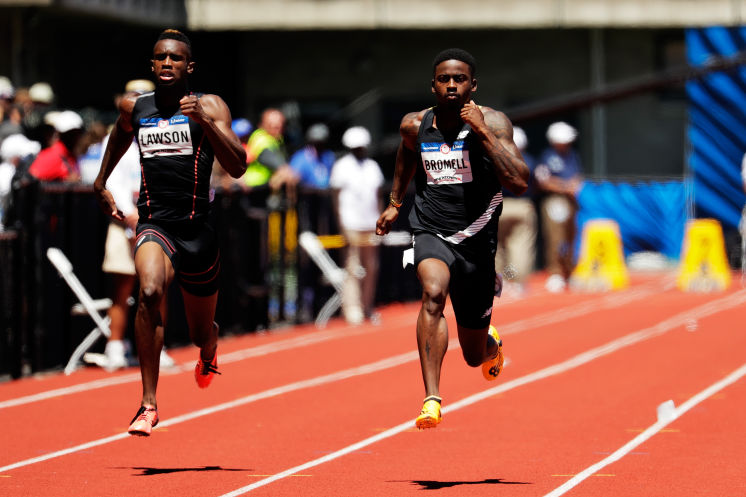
(251, 438)
(178, 395)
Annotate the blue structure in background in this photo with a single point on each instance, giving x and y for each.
(651, 215)
(717, 125)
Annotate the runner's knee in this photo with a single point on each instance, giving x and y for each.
(433, 297)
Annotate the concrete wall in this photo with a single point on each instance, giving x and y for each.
(446, 14)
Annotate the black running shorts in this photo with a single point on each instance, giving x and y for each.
(194, 255)
(472, 282)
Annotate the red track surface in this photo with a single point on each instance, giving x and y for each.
(289, 398)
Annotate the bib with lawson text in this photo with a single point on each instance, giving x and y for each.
(163, 137)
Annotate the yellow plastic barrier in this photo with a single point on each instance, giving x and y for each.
(704, 264)
(601, 264)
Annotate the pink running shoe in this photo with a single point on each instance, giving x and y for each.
(144, 421)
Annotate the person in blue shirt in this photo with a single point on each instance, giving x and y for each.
(313, 163)
(558, 176)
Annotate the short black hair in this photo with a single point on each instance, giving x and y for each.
(175, 34)
(456, 54)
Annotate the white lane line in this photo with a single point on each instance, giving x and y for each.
(273, 392)
(699, 312)
(649, 432)
(580, 359)
(279, 346)
(606, 302)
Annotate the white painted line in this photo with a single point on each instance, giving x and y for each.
(279, 346)
(606, 302)
(650, 432)
(580, 359)
(675, 321)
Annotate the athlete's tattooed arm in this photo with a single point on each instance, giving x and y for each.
(496, 133)
(406, 162)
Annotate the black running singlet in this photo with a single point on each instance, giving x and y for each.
(458, 194)
(176, 162)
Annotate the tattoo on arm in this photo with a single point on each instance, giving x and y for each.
(503, 153)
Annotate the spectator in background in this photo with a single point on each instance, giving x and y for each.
(558, 176)
(93, 144)
(516, 234)
(356, 181)
(58, 162)
(37, 102)
(313, 163)
(242, 127)
(265, 153)
(10, 114)
(14, 149)
(7, 92)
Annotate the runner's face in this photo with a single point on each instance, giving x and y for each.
(453, 83)
(171, 62)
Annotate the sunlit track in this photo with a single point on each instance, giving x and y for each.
(597, 304)
(649, 432)
(584, 308)
(699, 312)
(580, 359)
(239, 355)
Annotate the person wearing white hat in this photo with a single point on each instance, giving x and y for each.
(14, 149)
(59, 161)
(558, 176)
(461, 156)
(517, 231)
(356, 180)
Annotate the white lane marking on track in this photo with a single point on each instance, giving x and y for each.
(607, 302)
(578, 360)
(670, 323)
(279, 346)
(649, 432)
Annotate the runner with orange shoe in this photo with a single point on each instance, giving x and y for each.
(461, 155)
(179, 133)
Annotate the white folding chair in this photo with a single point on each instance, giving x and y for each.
(336, 275)
(86, 305)
(333, 273)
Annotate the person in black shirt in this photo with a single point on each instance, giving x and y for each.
(461, 155)
(179, 133)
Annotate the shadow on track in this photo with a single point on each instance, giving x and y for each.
(164, 471)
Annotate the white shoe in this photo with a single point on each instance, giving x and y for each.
(115, 353)
(555, 283)
(166, 360)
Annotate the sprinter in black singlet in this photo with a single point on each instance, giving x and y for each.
(461, 155)
(179, 133)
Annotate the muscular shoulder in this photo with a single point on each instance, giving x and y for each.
(498, 122)
(214, 106)
(410, 126)
(126, 108)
